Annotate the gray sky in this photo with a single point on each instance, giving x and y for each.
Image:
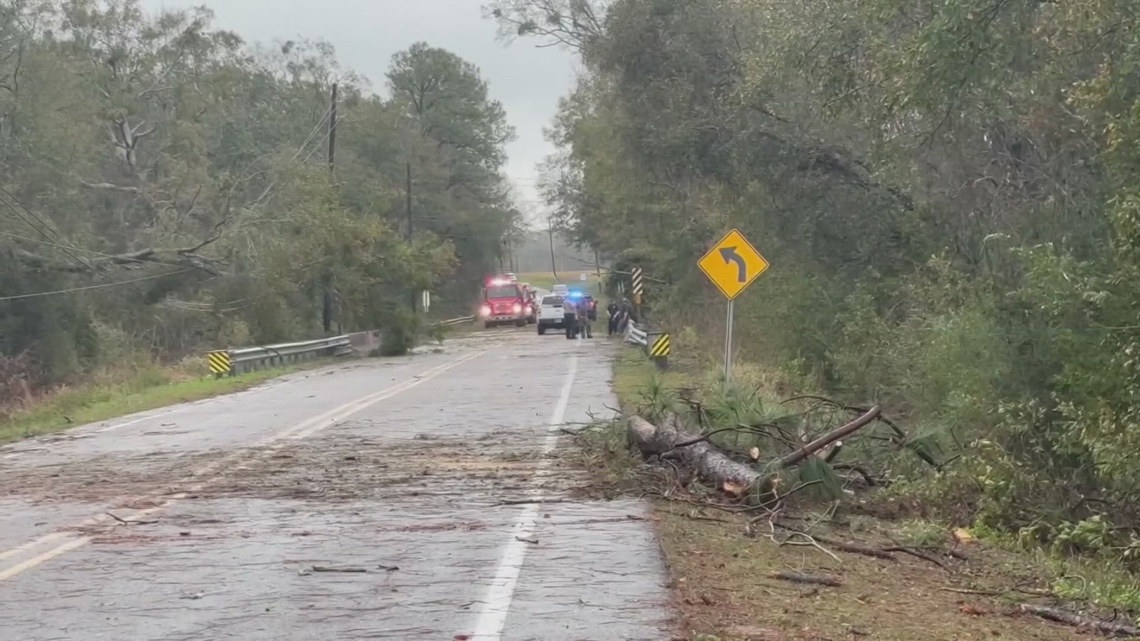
(527, 80)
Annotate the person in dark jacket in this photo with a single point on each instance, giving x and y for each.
(612, 310)
(570, 316)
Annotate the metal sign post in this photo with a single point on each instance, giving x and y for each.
(728, 343)
(732, 264)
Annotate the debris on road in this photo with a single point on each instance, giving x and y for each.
(325, 568)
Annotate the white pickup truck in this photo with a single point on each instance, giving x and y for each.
(550, 313)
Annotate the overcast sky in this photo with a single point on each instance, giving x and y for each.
(527, 80)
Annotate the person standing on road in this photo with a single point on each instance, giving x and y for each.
(625, 313)
(570, 316)
(612, 311)
(584, 308)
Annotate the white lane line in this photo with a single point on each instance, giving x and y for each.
(302, 430)
(111, 428)
(496, 603)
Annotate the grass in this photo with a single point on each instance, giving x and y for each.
(113, 394)
(721, 566)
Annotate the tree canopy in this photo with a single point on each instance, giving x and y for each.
(947, 192)
(165, 186)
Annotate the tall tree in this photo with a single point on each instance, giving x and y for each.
(947, 192)
(163, 187)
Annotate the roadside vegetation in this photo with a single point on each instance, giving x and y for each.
(948, 196)
(837, 550)
(119, 391)
(165, 188)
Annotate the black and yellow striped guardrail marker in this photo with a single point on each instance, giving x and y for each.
(219, 363)
(660, 346)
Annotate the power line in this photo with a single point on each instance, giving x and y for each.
(320, 144)
(93, 252)
(316, 128)
(43, 228)
(71, 290)
(41, 225)
(46, 231)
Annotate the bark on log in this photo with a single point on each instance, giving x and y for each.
(712, 465)
(1109, 628)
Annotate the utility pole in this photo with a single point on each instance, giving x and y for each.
(327, 307)
(550, 233)
(511, 251)
(408, 208)
(332, 130)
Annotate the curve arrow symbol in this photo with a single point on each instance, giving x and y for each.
(730, 256)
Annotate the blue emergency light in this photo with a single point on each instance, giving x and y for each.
(574, 294)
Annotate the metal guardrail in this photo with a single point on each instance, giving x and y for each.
(635, 335)
(239, 361)
(656, 345)
(231, 362)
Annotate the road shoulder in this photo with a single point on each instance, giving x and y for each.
(812, 569)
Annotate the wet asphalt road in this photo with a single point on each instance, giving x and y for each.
(379, 499)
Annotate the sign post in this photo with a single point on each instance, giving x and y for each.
(425, 300)
(732, 264)
(638, 289)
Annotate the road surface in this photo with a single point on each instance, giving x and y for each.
(376, 499)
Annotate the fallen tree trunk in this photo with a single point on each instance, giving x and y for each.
(714, 466)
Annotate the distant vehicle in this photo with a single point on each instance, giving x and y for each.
(561, 290)
(504, 302)
(550, 313)
(576, 316)
(591, 307)
(591, 303)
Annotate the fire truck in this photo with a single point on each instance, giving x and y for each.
(504, 302)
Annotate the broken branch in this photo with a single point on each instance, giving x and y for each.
(811, 579)
(1078, 621)
(829, 438)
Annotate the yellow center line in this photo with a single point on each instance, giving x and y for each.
(46, 556)
(31, 544)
